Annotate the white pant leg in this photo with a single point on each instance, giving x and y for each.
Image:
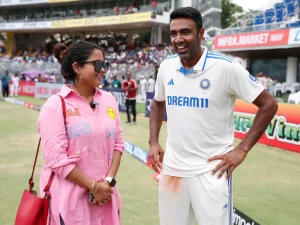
(16, 90)
(12, 89)
(211, 199)
(174, 206)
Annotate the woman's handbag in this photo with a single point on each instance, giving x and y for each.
(32, 209)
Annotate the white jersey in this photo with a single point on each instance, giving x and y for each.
(143, 84)
(200, 107)
(151, 83)
(15, 81)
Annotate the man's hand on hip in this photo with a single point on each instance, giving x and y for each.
(229, 161)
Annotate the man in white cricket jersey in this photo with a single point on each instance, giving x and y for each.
(199, 89)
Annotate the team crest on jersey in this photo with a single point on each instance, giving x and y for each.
(205, 84)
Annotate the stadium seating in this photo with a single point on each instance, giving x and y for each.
(293, 88)
(294, 98)
(270, 16)
(290, 4)
(285, 14)
(280, 11)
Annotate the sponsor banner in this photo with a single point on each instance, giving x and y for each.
(25, 25)
(102, 21)
(149, 97)
(26, 88)
(21, 2)
(283, 131)
(294, 38)
(240, 218)
(119, 96)
(253, 39)
(46, 90)
(135, 151)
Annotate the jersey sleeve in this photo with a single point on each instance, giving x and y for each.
(159, 93)
(243, 84)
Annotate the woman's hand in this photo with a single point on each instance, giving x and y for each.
(103, 193)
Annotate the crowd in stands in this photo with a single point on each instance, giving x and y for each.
(83, 10)
(39, 66)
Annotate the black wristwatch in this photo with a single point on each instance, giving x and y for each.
(112, 182)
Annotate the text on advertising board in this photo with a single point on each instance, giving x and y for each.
(294, 38)
(253, 39)
(102, 21)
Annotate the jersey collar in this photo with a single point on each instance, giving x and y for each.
(199, 67)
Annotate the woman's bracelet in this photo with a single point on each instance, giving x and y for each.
(93, 187)
(96, 188)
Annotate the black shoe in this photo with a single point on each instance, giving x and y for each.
(129, 122)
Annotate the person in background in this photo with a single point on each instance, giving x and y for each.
(23, 78)
(85, 154)
(5, 84)
(115, 82)
(143, 85)
(15, 85)
(130, 87)
(151, 84)
(41, 79)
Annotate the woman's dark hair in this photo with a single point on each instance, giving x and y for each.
(77, 52)
(188, 13)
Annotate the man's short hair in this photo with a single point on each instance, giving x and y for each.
(188, 13)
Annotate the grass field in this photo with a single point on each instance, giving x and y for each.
(266, 185)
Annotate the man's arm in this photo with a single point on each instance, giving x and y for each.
(156, 117)
(267, 108)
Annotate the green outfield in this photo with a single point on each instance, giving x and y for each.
(266, 186)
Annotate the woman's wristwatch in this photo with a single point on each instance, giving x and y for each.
(112, 182)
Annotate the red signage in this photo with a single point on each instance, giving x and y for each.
(253, 39)
(26, 88)
(283, 131)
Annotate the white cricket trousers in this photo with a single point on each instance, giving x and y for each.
(14, 90)
(203, 197)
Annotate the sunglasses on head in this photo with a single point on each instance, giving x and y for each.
(98, 65)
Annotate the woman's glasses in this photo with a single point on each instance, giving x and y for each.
(98, 65)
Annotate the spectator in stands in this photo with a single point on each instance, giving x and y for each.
(41, 79)
(15, 85)
(151, 84)
(115, 82)
(154, 7)
(23, 78)
(5, 84)
(84, 160)
(130, 87)
(116, 10)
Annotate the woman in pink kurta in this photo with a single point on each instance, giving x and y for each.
(88, 149)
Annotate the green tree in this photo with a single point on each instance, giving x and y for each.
(230, 13)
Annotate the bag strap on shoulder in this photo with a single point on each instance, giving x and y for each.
(31, 183)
